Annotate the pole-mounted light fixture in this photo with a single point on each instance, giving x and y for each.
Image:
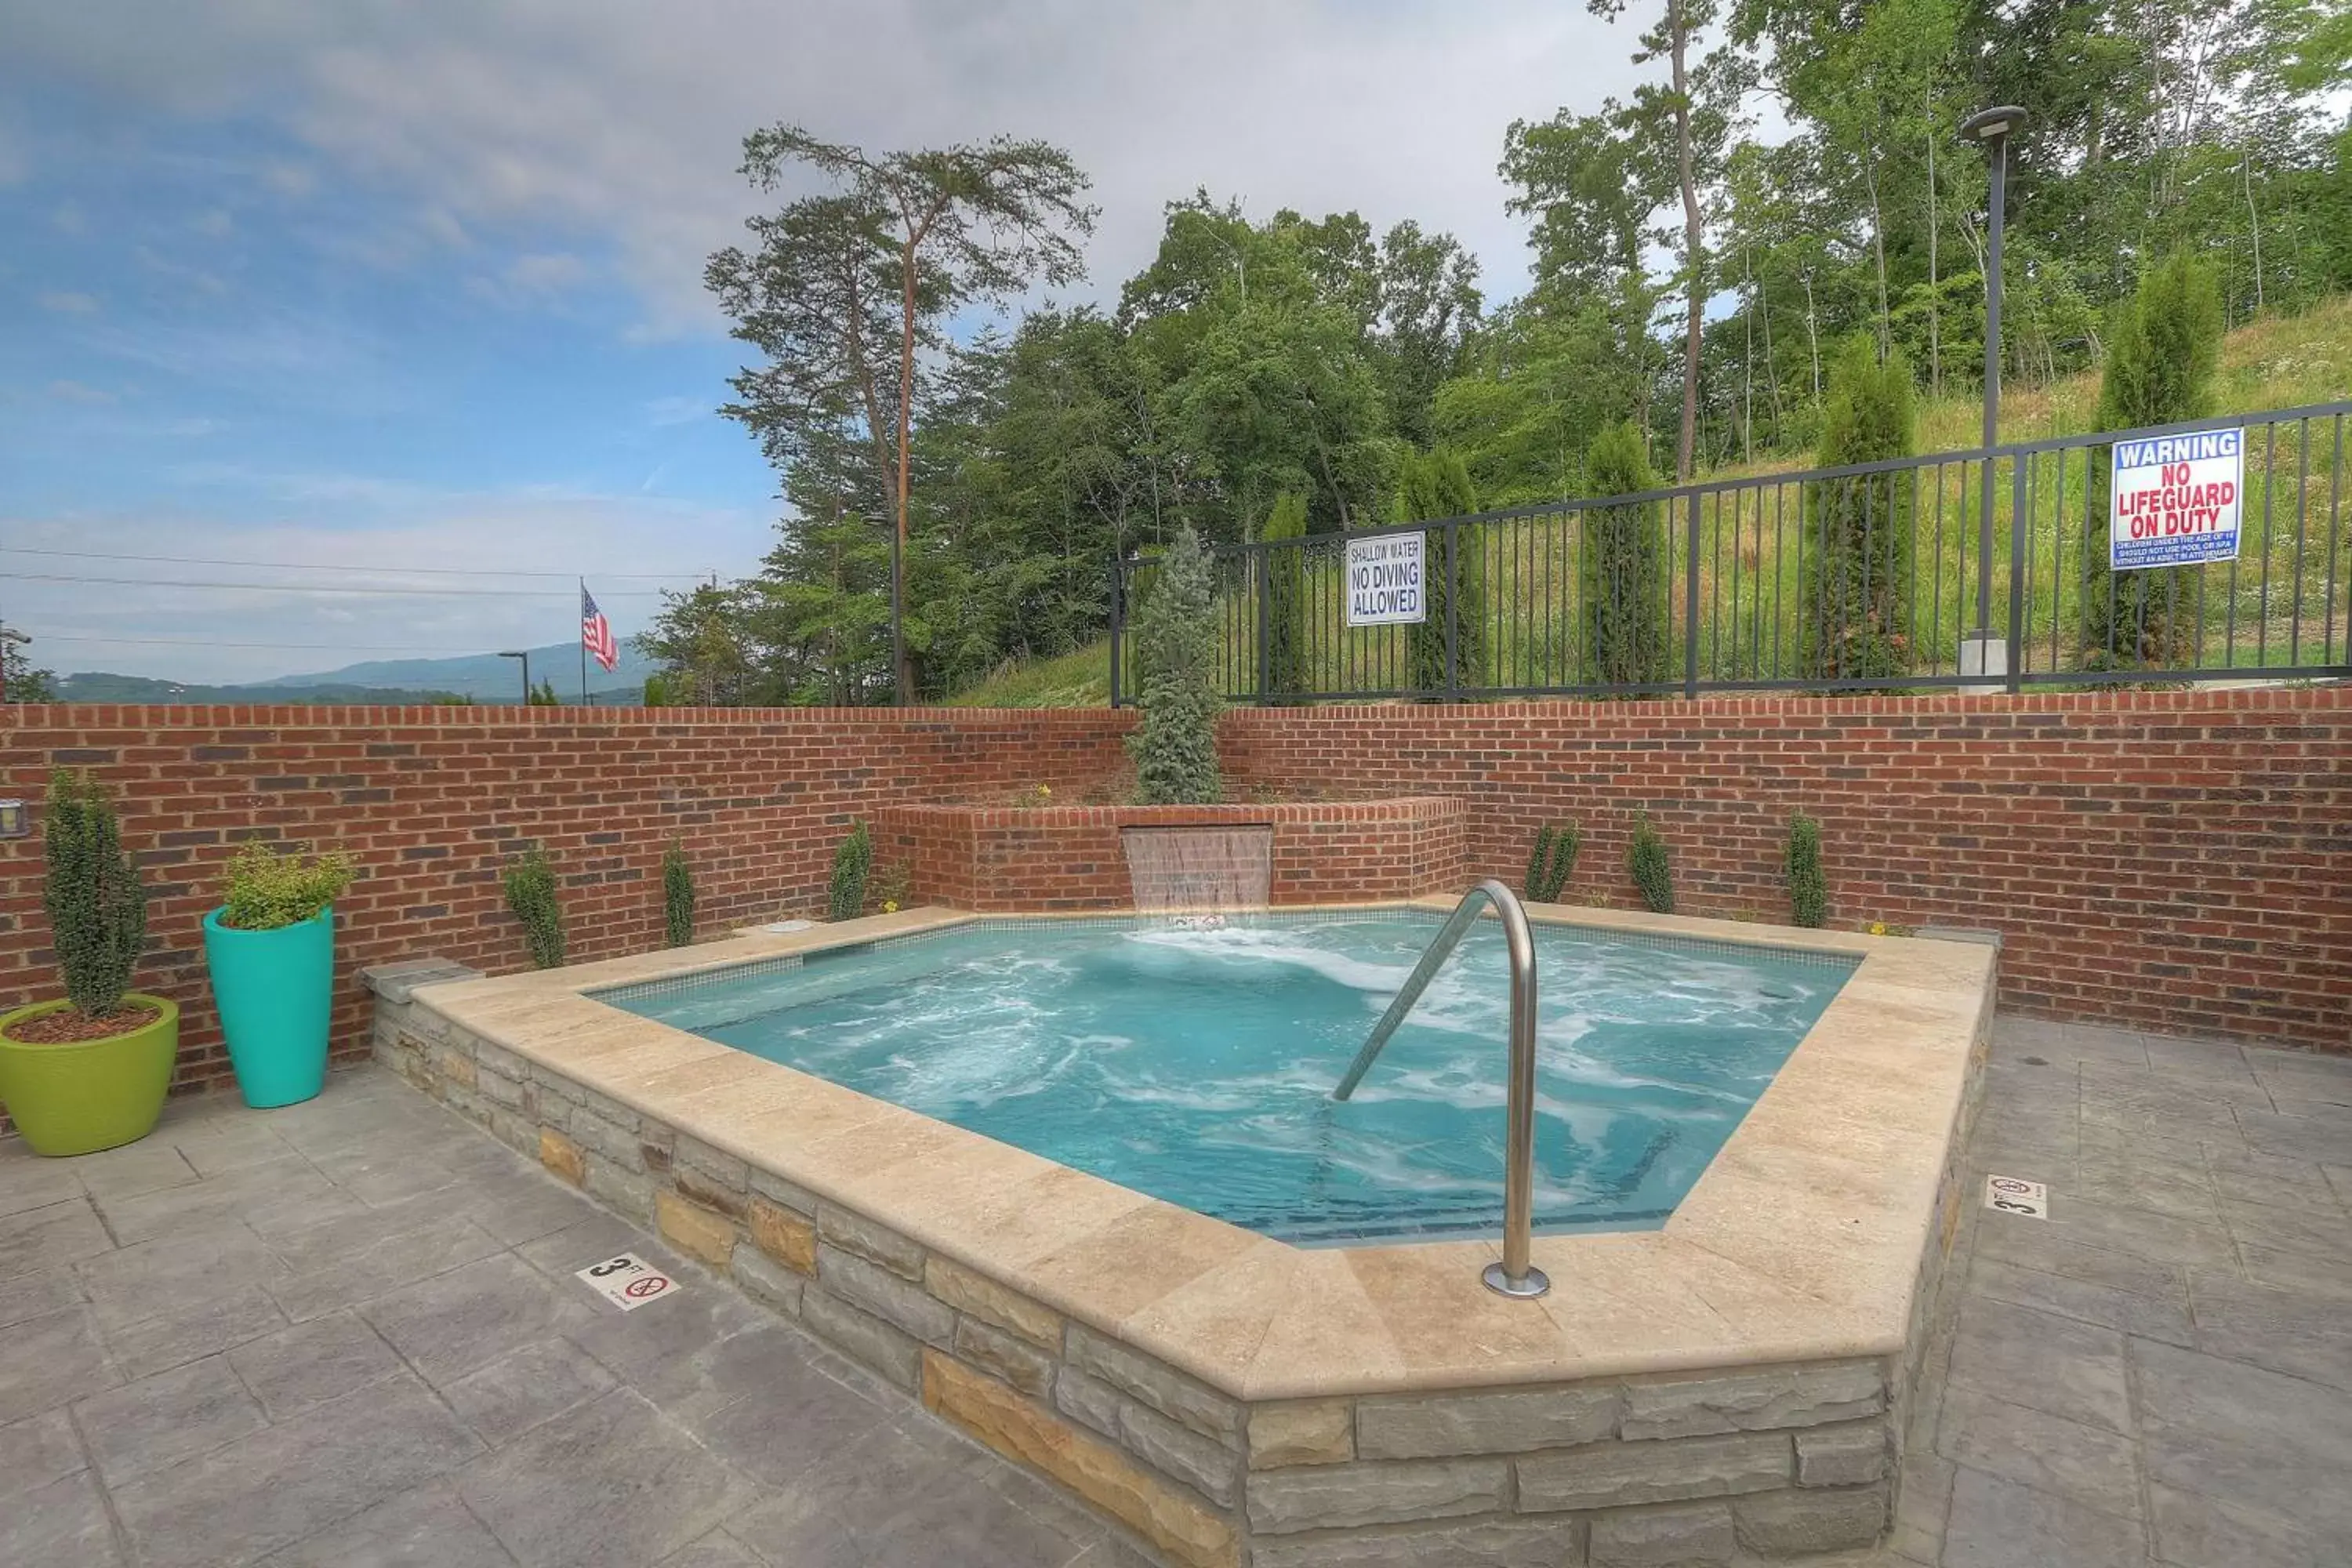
(524, 656)
(1991, 128)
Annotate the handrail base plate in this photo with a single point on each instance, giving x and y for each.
(1534, 1282)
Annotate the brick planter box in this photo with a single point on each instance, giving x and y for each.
(1044, 859)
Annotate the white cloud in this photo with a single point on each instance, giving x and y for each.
(216, 223)
(624, 123)
(665, 412)
(66, 302)
(538, 278)
(78, 392)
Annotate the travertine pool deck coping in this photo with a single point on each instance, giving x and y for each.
(1803, 1240)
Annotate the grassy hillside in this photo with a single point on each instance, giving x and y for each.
(1749, 568)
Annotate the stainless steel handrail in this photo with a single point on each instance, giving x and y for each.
(1515, 1275)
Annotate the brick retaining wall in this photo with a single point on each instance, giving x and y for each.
(2180, 860)
(1044, 859)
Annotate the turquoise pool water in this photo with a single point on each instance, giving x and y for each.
(1197, 1065)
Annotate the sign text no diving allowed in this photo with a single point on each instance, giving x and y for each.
(1385, 580)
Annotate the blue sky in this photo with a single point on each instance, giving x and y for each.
(381, 286)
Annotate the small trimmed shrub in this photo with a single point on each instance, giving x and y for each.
(677, 895)
(1177, 642)
(1285, 591)
(532, 895)
(97, 908)
(1652, 874)
(846, 896)
(1431, 486)
(1809, 891)
(1622, 569)
(1551, 861)
(265, 890)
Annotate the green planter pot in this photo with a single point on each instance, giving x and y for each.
(81, 1095)
(275, 989)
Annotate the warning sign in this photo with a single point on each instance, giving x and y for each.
(1385, 580)
(628, 1281)
(2175, 500)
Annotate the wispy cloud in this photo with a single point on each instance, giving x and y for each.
(78, 392)
(664, 412)
(69, 303)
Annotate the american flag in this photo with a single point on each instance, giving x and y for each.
(596, 632)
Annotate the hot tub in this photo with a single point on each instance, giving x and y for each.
(1081, 1187)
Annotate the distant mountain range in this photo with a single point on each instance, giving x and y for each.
(484, 677)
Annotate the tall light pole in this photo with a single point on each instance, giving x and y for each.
(1992, 128)
(524, 655)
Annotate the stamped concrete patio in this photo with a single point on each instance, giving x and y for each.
(348, 1332)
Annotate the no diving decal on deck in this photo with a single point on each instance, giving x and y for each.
(2175, 500)
(628, 1281)
(2011, 1196)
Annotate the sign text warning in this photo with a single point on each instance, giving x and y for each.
(2175, 500)
(1385, 580)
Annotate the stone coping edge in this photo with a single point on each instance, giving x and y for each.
(1803, 1241)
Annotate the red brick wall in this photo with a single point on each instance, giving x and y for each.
(2173, 860)
(432, 801)
(1047, 858)
(2177, 859)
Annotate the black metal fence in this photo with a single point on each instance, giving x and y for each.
(1881, 576)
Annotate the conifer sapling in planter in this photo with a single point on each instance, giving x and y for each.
(91, 1071)
(271, 949)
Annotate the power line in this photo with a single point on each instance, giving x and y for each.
(323, 566)
(326, 588)
(304, 646)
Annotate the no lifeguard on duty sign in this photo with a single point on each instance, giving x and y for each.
(2175, 500)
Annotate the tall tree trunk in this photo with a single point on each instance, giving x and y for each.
(1679, 32)
(1935, 300)
(1878, 246)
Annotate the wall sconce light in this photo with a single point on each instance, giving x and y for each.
(15, 820)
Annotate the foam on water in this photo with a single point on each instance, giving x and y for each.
(1196, 1065)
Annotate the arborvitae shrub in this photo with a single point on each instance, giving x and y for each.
(1552, 860)
(532, 895)
(1430, 486)
(1177, 641)
(1855, 595)
(1285, 590)
(1622, 568)
(1645, 858)
(2163, 348)
(677, 895)
(845, 895)
(97, 908)
(1809, 892)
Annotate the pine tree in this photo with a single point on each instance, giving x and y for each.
(1286, 589)
(1431, 486)
(845, 893)
(97, 908)
(1856, 591)
(2162, 352)
(1622, 568)
(1177, 643)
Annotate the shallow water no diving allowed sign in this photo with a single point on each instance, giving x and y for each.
(1385, 580)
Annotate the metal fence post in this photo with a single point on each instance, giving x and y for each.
(1453, 616)
(1265, 624)
(1690, 602)
(1118, 622)
(2019, 533)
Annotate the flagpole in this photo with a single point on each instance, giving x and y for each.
(583, 645)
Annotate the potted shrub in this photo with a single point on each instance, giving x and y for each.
(271, 949)
(91, 1071)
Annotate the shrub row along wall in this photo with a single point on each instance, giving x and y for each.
(434, 801)
(2176, 861)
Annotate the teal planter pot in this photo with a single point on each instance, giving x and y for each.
(275, 989)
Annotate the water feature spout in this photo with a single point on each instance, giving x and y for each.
(1199, 871)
